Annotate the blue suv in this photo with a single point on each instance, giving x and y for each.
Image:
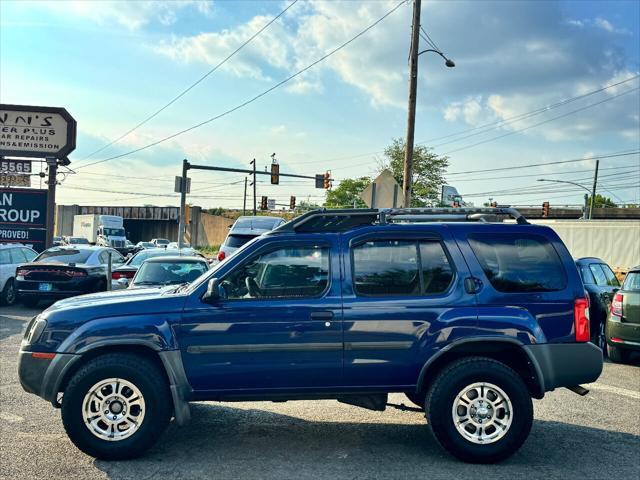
(469, 316)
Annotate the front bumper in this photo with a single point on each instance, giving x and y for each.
(565, 364)
(42, 376)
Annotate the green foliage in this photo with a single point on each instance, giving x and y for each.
(346, 194)
(602, 202)
(216, 211)
(209, 251)
(428, 171)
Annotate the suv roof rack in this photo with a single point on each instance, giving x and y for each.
(339, 220)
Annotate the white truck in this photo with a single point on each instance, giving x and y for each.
(103, 230)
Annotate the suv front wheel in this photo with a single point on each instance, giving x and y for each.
(479, 410)
(116, 406)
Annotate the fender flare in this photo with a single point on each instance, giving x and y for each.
(171, 361)
(457, 343)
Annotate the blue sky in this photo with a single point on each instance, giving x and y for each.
(111, 64)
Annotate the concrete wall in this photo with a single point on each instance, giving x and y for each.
(617, 242)
(204, 229)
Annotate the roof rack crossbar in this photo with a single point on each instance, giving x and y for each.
(343, 219)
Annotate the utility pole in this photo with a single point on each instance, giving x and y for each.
(407, 178)
(593, 191)
(244, 203)
(52, 163)
(183, 202)
(255, 211)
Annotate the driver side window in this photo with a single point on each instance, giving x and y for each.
(287, 272)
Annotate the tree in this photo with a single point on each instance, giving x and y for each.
(428, 171)
(602, 202)
(346, 194)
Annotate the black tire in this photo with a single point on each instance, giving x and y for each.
(617, 355)
(30, 302)
(8, 294)
(155, 392)
(417, 398)
(598, 338)
(452, 381)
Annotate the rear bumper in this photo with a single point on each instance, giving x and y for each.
(626, 334)
(565, 364)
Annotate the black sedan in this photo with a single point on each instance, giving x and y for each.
(601, 284)
(67, 271)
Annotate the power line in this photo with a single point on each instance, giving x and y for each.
(497, 124)
(492, 139)
(256, 97)
(595, 157)
(194, 84)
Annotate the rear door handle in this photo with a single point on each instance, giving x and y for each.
(325, 315)
(472, 284)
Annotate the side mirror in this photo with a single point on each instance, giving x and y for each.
(213, 292)
(123, 282)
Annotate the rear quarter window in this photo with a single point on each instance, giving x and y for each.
(519, 262)
(632, 282)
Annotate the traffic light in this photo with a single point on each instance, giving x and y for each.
(275, 174)
(292, 203)
(263, 203)
(326, 180)
(545, 209)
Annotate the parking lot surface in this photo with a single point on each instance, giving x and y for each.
(591, 437)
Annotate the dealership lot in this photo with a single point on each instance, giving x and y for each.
(596, 436)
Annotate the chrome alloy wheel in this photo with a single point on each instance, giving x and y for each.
(482, 413)
(113, 409)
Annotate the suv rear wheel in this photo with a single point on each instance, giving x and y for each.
(479, 410)
(8, 294)
(116, 406)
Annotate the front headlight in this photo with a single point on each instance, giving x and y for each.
(34, 330)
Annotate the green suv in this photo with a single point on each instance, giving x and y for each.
(623, 321)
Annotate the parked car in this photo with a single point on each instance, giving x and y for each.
(11, 255)
(74, 241)
(245, 229)
(601, 284)
(162, 271)
(57, 241)
(623, 321)
(472, 319)
(66, 271)
(175, 245)
(122, 275)
(138, 247)
(160, 242)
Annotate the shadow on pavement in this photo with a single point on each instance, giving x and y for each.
(10, 326)
(226, 442)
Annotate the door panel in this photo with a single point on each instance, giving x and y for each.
(260, 342)
(390, 334)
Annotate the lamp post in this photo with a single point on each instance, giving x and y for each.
(586, 196)
(413, 83)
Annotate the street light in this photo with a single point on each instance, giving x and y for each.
(447, 61)
(586, 196)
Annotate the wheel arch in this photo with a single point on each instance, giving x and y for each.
(168, 362)
(505, 350)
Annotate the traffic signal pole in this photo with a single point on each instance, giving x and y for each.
(593, 192)
(183, 202)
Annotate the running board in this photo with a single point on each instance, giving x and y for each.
(579, 389)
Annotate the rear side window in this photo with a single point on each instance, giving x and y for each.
(517, 263)
(604, 275)
(5, 259)
(632, 282)
(587, 276)
(236, 241)
(401, 267)
(17, 256)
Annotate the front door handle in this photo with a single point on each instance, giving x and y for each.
(324, 315)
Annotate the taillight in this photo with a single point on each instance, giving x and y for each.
(21, 272)
(119, 275)
(616, 305)
(221, 255)
(76, 273)
(581, 319)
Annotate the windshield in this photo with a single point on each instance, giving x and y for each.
(632, 282)
(113, 232)
(257, 223)
(78, 241)
(162, 241)
(67, 255)
(169, 273)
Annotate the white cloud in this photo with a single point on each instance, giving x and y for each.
(132, 15)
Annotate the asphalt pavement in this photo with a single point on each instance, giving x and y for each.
(591, 437)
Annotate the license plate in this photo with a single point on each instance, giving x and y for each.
(45, 287)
